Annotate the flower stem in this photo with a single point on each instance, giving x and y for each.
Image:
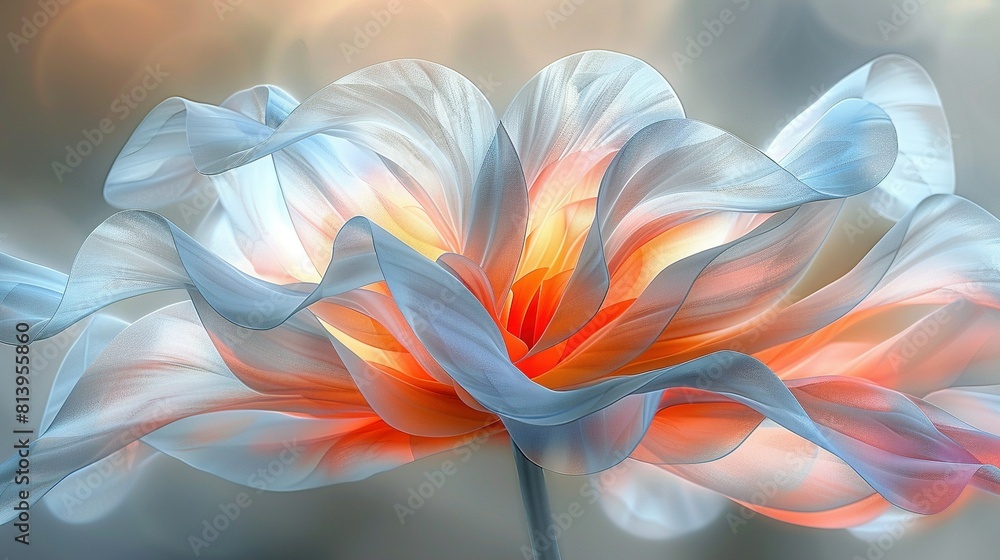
(536, 506)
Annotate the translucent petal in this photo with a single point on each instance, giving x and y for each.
(904, 90)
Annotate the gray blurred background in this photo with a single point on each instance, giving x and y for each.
(774, 58)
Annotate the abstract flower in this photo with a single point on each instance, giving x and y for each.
(387, 269)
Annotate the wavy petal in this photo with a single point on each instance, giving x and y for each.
(250, 227)
(124, 396)
(594, 100)
(904, 90)
(929, 454)
(585, 429)
(97, 490)
(650, 188)
(294, 452)
(99, 332)
(382, 142)
(924, 164)
(566, 124)
(918, 313)
(929, 283)
(495, 231)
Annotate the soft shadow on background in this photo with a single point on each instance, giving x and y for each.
(111, 61)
